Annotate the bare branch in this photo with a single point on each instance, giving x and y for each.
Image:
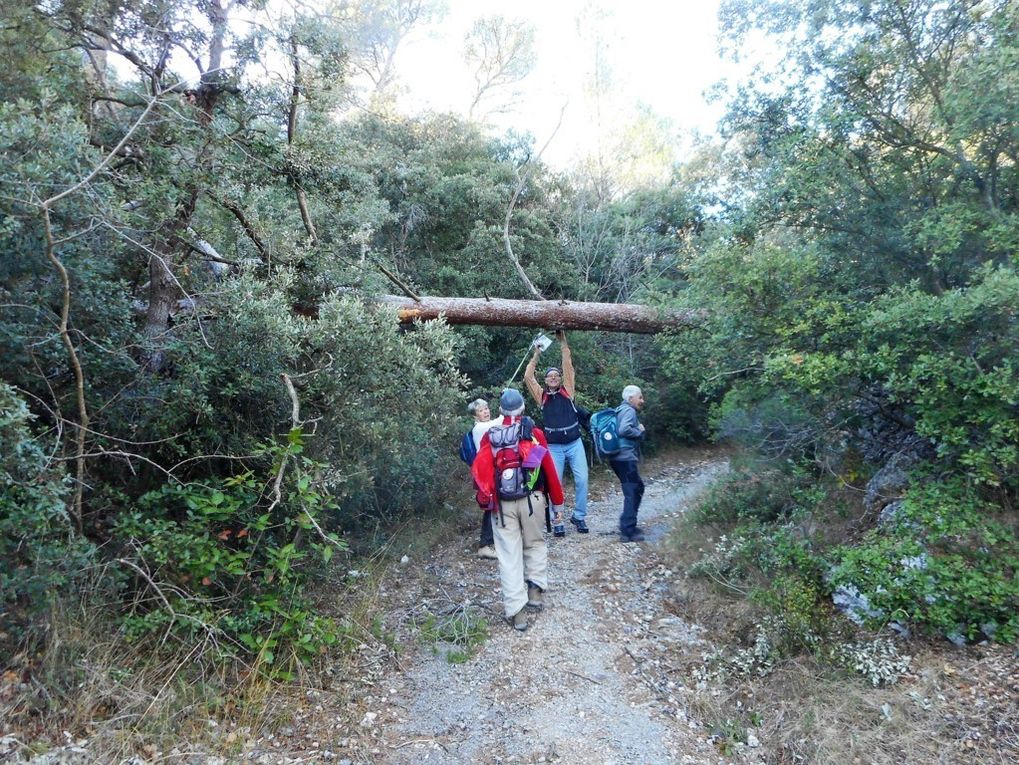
(295, 418)
(249, 228)
(521, 184)
(295, 95)
(396, 280)
(79, 375)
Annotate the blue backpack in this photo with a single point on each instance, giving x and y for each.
(605, 434)
(468, 451)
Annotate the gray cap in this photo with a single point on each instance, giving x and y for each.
(511, 402)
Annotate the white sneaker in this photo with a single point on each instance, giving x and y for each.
(487, 552)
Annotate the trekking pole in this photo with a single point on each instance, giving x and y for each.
(542, 340)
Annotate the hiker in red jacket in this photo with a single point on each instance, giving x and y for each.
(516, 481)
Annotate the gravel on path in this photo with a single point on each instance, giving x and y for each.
(585, 684)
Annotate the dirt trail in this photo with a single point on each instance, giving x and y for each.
(585, 684)
(594, 681)
(589, 683)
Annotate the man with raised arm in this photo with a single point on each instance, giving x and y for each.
(560, 421)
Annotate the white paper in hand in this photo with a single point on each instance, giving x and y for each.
(542, 342)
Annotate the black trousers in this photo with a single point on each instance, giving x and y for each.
(633, 492)
(487, 537)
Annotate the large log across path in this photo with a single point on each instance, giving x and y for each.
(545, 314)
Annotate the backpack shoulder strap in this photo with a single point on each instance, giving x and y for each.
(526, 428)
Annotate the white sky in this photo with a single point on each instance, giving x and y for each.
(660, 54)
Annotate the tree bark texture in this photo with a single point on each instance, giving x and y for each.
(545, 314)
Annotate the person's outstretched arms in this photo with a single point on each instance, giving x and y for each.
(569, 376)
(530, 380)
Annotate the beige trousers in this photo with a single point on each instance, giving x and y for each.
(521, 549)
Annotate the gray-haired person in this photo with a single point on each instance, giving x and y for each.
(483, 421)
(624, 462)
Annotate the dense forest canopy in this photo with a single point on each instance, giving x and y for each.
(199, 397)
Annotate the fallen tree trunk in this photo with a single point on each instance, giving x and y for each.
(544, 314)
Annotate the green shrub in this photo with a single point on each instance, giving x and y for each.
(770, 555)
(390, 411)
(40, 551)
(757, 490)
(945, 364)
(951, 359)
(230, 558)
(383, 401)
(946, 564)
(798, 606)
(775, 567)
(463, 631)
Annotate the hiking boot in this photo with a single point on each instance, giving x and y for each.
(580, 525)
(519, 620)
(535, 597)
(487, 552)
(636, 536)
(558, 530)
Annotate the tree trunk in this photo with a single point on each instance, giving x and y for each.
(164, 287)
(546, 314)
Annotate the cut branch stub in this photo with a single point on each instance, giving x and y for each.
(547, 314)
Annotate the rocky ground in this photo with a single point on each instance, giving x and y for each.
(587, 683)
(602, 676)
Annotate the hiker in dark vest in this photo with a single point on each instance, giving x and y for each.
(479, 410)
(624, 462)
(516, 480)
(560, 420)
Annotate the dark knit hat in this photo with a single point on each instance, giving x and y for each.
(550, 370)
(511, 402)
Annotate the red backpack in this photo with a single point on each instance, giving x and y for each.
(512, 479)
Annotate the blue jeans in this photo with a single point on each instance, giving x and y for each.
(633, 491)
(573, 454)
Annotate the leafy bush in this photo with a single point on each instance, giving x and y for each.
(757, 490)
(947, 563)
(230, 558)
(878, 660)
(950, 357)
(389, 408)
(231, 551)
(40, 550)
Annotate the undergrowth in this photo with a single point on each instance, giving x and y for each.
(765, 549)
(460, 634)
(126, 691)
